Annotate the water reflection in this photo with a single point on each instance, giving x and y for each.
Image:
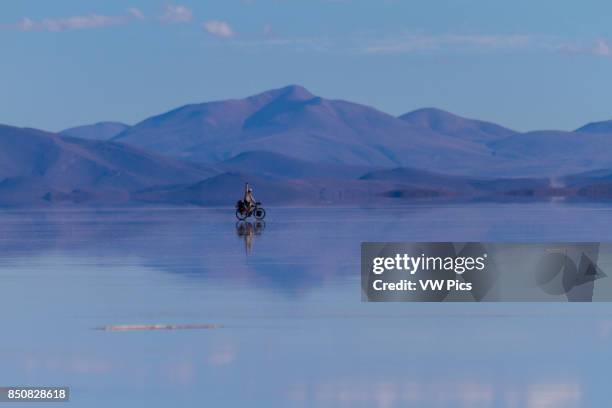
(292, 306)
(248, 230)
(301, 250)
(440, 393)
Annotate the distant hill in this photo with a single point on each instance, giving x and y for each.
(592, 184)
(552, 153)
(375, 188)
(33, 162)
(97, 131)
(225, 189)
(295, 124)
(421, 179)
(449, 124)
(409, 178)
(298, 148)
(37, 167)
(597, 127)
(292, 122)
(275, 164)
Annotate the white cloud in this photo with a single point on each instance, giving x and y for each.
(218, 28)
(25, 24)
(598, 48)
(413, 43)
(316, 44)
(78, 22)
(171, 14)
(74, 23)
(603, 48)
(177, 14)
(136, 13)
(554, 395)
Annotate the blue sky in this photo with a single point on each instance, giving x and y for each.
(525, 64)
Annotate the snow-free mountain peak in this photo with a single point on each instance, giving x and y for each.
(293, 122)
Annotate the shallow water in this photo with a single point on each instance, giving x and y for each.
(293, 331)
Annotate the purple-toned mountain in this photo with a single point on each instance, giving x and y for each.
(552, 153)
(299, 148)
(38, 167)
(293, 122)
(278, 165)
(296, 124)
(597, 127)
(34, 163)
(97, 131)
(449, 124)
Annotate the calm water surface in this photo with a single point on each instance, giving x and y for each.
(295, 333)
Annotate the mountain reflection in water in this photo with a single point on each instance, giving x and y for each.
(285, 296)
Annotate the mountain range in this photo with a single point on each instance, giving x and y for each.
(35, 164)
(295, 148)
(293, 122)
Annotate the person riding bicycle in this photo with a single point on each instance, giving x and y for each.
(249, 199)
(248, 207)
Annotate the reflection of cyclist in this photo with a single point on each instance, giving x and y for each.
(249, 200)
(248, 231)
(248, 238)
